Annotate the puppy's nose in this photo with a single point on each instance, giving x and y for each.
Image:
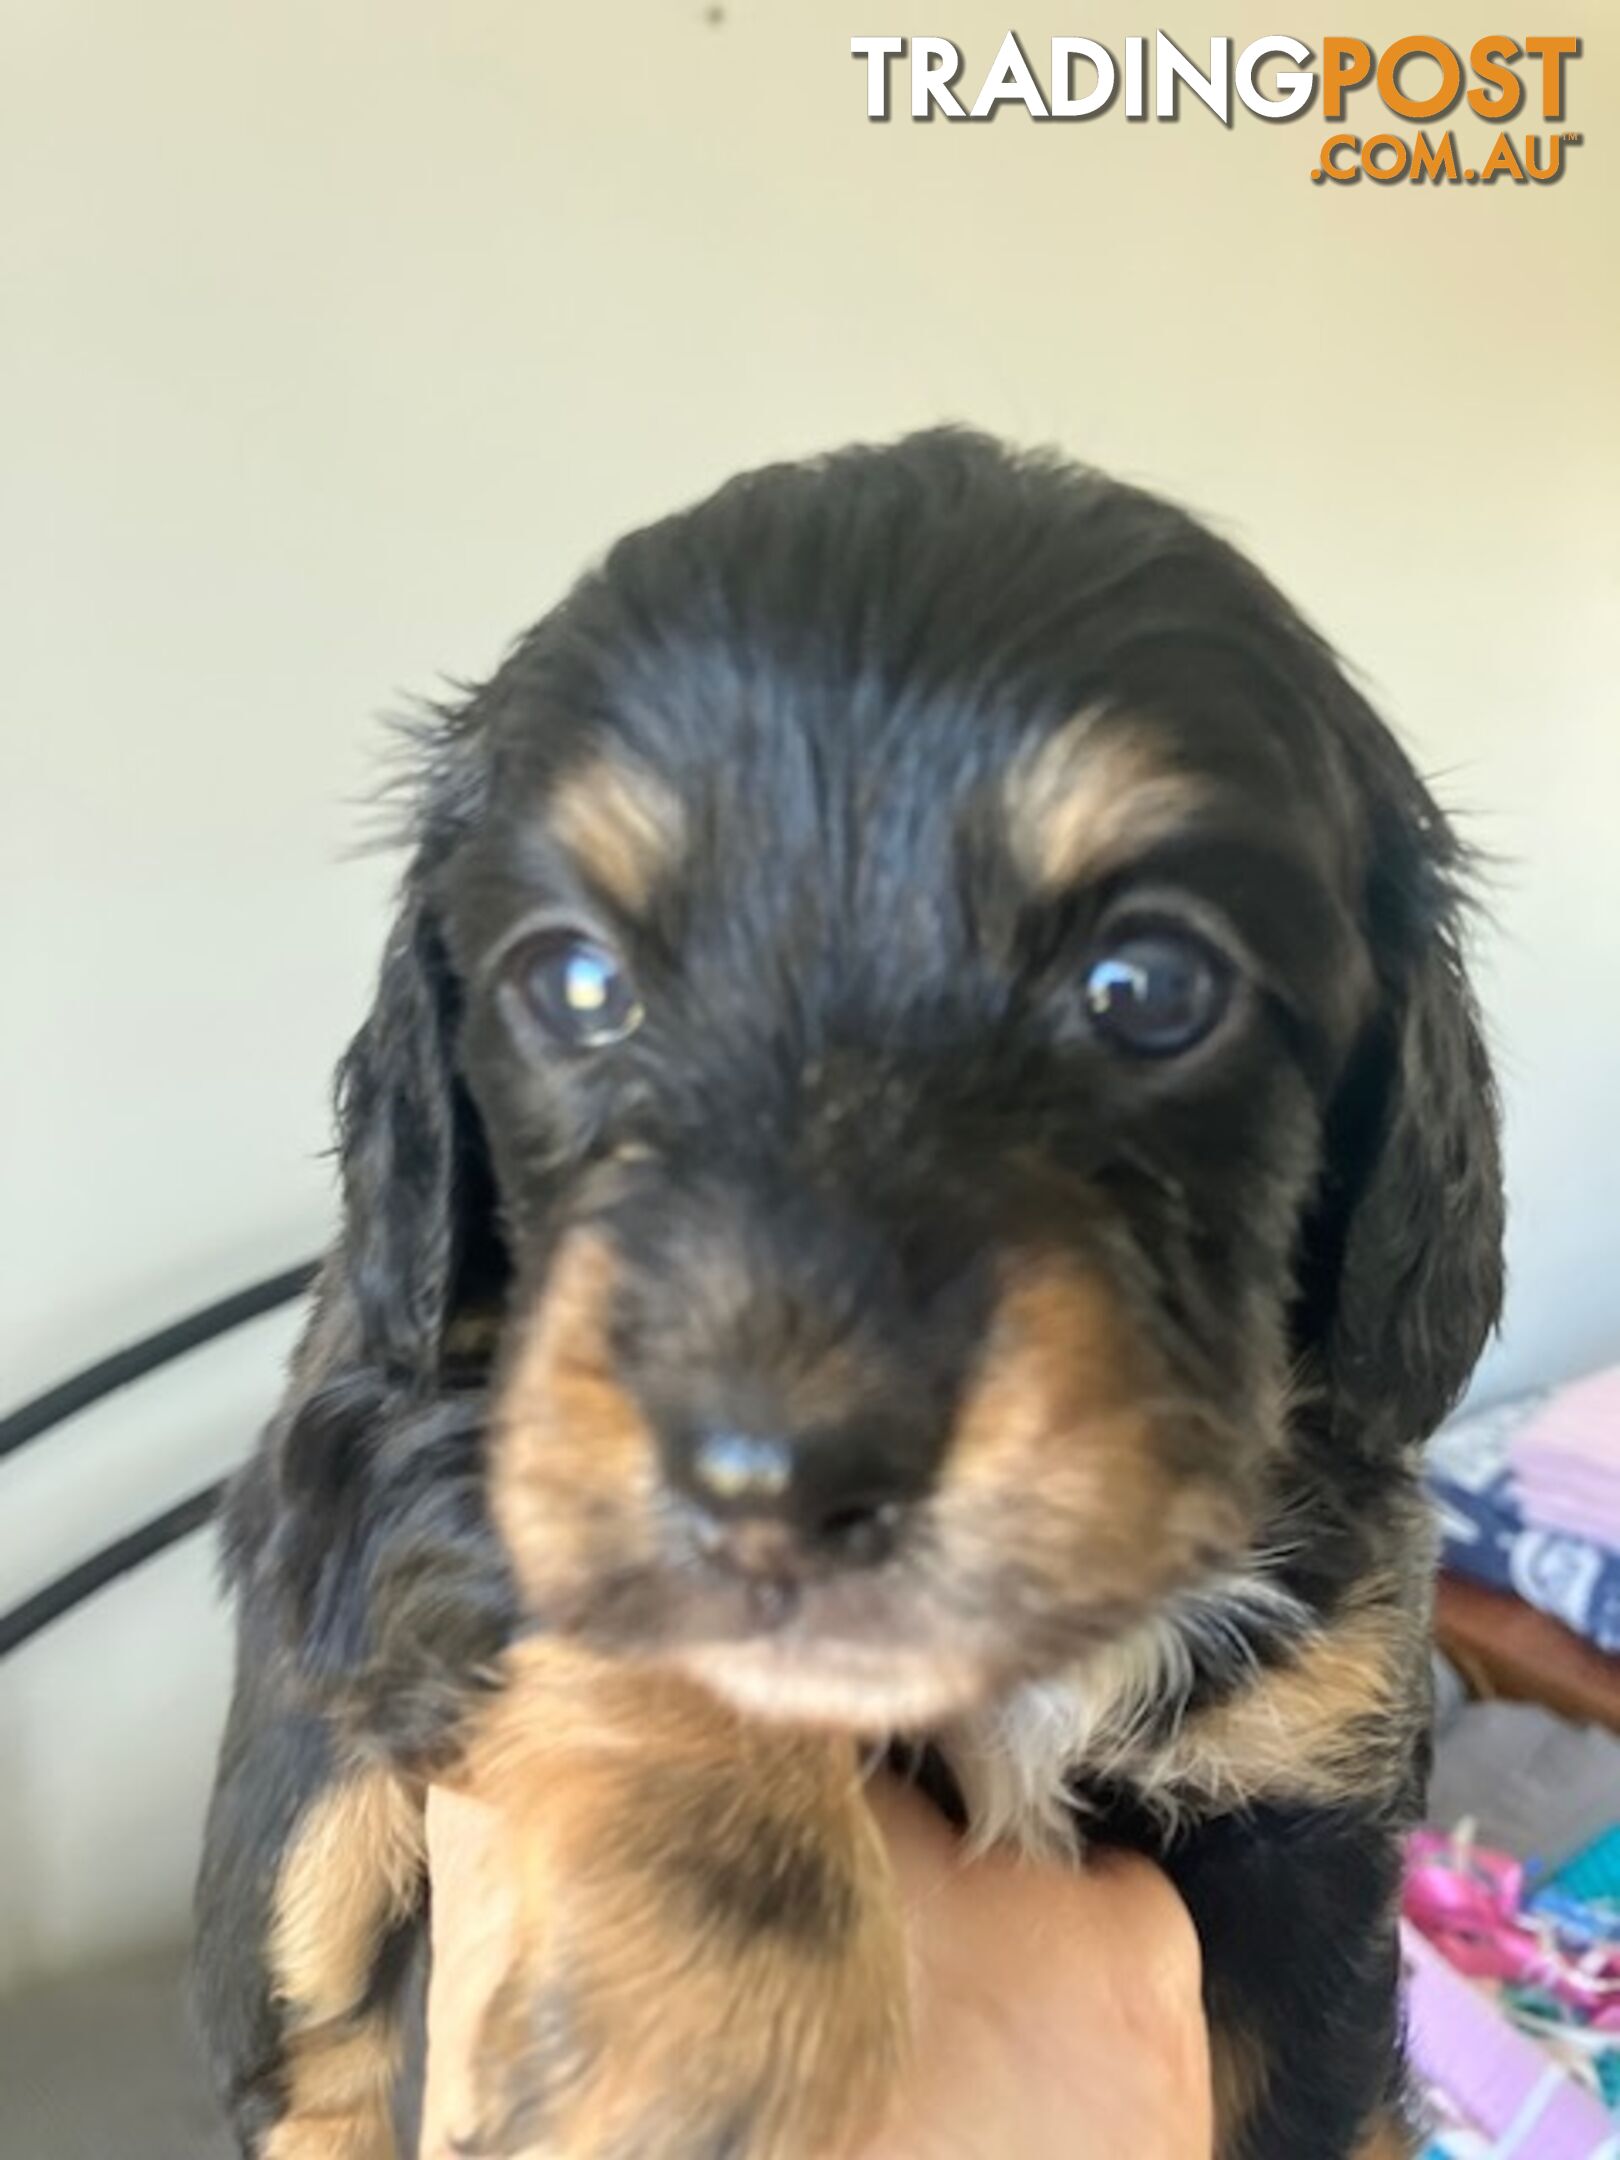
(768, 1497)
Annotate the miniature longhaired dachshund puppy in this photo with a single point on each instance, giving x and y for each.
(921, 1166)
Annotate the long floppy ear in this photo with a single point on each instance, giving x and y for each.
(419, 1235)
(1409, 1285)
(404, 1155)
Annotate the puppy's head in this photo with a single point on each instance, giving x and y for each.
(934, 1007)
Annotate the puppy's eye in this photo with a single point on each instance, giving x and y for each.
(574, 989)
(1157, 992)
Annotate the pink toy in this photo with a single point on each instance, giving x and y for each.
(1467, 1901)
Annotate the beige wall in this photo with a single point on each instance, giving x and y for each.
(339, 333)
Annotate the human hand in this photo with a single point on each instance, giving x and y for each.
(1057, 2011)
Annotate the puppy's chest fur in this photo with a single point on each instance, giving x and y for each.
(1236, 1698)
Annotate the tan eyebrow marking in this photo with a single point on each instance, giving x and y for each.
(624, 827)
(1091, 796)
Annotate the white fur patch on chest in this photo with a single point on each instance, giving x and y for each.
(1014, 1761)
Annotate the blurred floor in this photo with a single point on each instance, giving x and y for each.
(104, 2067)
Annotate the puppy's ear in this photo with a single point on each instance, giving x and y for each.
(419, 1233)
(405, 1154)
(376, 1548)
(1404, 1274)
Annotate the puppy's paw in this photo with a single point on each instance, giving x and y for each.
(745, 2065)
(706, 1960)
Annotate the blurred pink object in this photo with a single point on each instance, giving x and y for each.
(1566, 1460)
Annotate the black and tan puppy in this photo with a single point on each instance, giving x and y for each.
(920, 1168)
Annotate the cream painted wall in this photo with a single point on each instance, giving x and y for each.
(339, 333)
